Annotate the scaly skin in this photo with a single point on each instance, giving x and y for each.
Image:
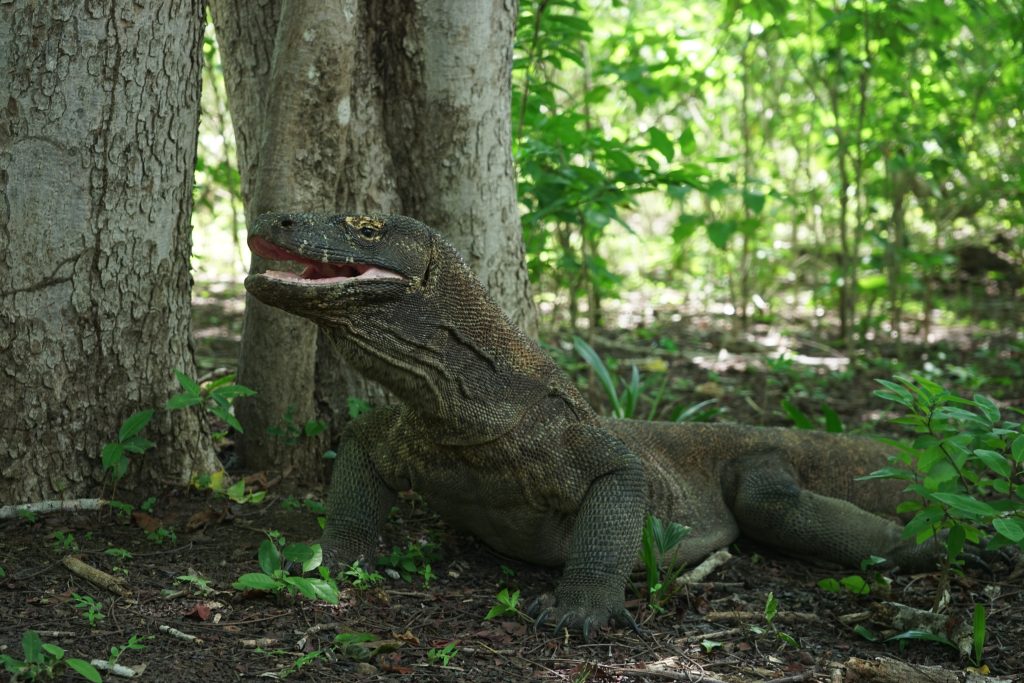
(498, 440)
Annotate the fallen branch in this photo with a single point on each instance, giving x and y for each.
(701, 571)
(44, 506)
(171, 631)
(117, 669)
(114, 584)
(886, 670)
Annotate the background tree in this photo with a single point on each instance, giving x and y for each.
(97, 149)
(366, 106)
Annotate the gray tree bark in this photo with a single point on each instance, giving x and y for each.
(99, 107)
(363, 105)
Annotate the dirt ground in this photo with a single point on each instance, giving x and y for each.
(712, 630)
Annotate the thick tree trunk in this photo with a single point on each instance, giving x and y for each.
(397, 107)
(98, 119)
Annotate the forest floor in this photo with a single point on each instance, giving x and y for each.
(714, 630)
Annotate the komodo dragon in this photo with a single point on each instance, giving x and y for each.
(500, 442)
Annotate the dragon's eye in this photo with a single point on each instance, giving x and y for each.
(368, 232)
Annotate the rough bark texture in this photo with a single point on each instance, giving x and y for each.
(396, 106)
(98, 116)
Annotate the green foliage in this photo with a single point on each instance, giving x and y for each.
(43, 661)
(274, 555)
(114, 455)
(291, 432)
(237, 493)
(134, 643)
(201, 585)
(807, 152)
(658, 541)
(216, 397)
(625, 401)
(964, 466)
(443, 655)
(161, 535)
(833, 423)
(361, 579)
(978, 631)
(64, 541)
(771, 610)
(504, 603)
(91, 609)
(414, 560)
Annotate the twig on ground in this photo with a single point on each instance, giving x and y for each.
(96, 576)
(117, 669)
(701, 571)
(171, 631)
(46, 506)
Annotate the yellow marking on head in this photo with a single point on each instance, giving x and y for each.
(364, 222)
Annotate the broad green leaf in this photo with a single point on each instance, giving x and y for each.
(719, 232)
(829, 585)
(1009, 527)
(965, 504)
(137, 444)
(800, 420)
(753, 201)
(179, 401)
(994, 461)
(269, 557)
(134, 424)
(32, 647)
(187, 383)
(990, 409)
(833, 423)
(85, 670)
(256, 581)
(231, 391)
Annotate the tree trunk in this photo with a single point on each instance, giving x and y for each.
(396, 107)
(97, 149)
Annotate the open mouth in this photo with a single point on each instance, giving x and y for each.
(317, 272)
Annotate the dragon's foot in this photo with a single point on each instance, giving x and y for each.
(579, 610)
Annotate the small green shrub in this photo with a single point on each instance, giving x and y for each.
(45, 661)
(274, 555)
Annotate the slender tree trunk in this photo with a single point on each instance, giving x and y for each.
(388, 106)
(97, 150)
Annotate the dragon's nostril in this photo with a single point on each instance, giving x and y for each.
(287, 223)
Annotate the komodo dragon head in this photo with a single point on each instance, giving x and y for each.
(348, 262)
(406, 311)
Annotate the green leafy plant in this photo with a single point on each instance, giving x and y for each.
(443, 655)
(505, 603)
(771, 610)
(134, 643)
(64, 541)
(625, 401)
(300, 661)
(238, 494)
(978, 631)
(90, 607)
(857, 584)
(833, 423)
(161, 535)
(45, 661)
(414, 560)
(114, 455)
(964, 466)
(360, 578)
(657, 543)
(200, 584)
(291, 431)
(274, 555)
(216, 397)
